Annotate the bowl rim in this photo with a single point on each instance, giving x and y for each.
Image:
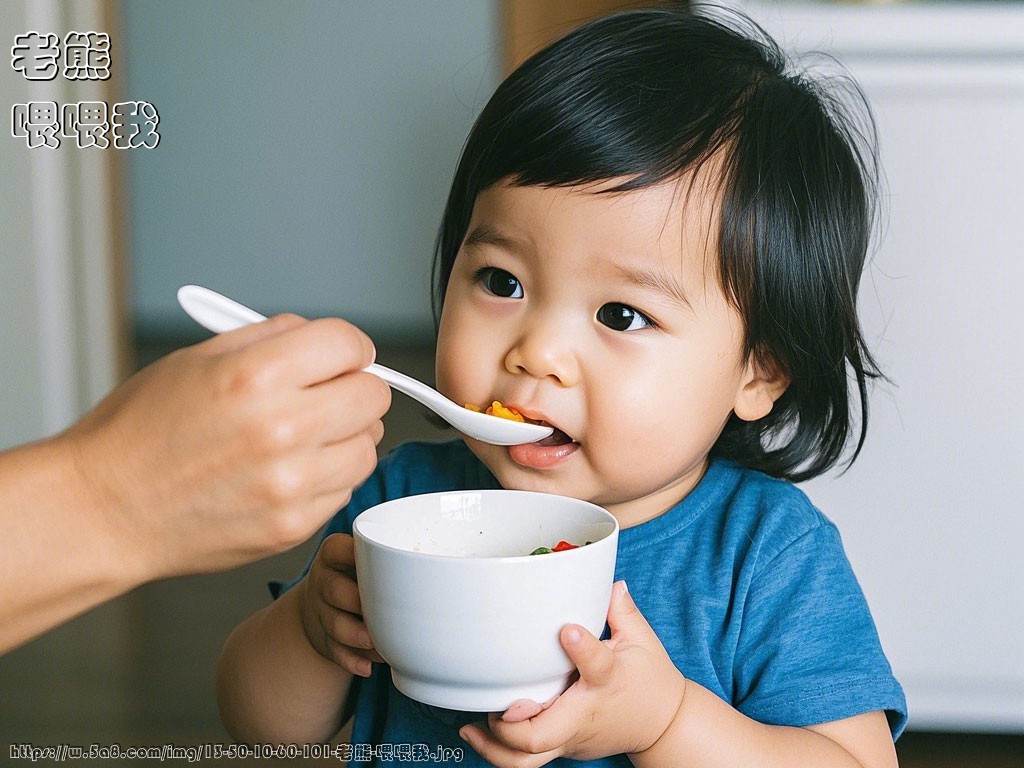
(358, 534)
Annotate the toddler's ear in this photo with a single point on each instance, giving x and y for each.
(762, 386)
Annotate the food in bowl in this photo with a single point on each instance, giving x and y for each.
(562, 546)
(465, 618)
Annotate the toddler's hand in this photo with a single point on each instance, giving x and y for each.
(331, 612)
(627, 695)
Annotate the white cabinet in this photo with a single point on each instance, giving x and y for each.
(931, 514)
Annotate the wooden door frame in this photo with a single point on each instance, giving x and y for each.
(529, 25)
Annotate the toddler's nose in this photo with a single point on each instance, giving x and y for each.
(544, 352)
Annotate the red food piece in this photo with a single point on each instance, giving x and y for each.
(564, 545)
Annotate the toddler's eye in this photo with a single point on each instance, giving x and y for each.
(620, 317)
(500, 283)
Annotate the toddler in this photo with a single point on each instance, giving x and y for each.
(653, 243)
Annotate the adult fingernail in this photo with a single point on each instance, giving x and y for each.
(623, 589)
(573, 635)
(364, 639)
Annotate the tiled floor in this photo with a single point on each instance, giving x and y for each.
(139, 671)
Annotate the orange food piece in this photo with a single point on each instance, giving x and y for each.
(499, 410)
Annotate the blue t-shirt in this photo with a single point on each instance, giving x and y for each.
(744, 581)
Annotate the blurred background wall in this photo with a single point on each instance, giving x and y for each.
(306, 151)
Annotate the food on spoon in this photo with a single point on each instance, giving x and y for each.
(499, 410)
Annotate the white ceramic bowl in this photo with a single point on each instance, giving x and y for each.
(464, 615)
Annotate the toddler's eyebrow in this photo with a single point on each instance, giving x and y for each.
(485, 234)
(655, 281)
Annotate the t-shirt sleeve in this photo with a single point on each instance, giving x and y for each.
(808, 651)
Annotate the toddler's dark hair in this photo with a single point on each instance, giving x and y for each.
(649, 95)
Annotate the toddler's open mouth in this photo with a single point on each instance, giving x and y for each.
(547, 453)
(540, 454)
(558, 437)
(496, 408)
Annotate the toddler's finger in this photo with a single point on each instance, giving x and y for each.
(346, 628)
(521, 710)
(497, 753)
(341, 592)
(623, 615)
(338, 551)
(524, 709)
(594, 660)
(550, 729)
(350, 659)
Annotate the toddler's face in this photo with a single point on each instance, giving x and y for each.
(602, 315)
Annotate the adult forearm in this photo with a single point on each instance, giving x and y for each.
(708, 733)
(62, 553)
(272, 686)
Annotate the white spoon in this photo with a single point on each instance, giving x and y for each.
(219, 314)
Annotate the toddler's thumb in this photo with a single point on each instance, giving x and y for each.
(593, 659)
(623, 613)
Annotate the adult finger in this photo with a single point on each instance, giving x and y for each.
(341, 407)
(250, 334)
(322, 414)
(337, 467)
(308, 354)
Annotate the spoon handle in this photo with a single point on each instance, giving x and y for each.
(406, 384)
(215, 312)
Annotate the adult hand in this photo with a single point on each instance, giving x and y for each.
(216, 455)
(236, 448)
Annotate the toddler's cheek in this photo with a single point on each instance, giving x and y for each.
(448, 383)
